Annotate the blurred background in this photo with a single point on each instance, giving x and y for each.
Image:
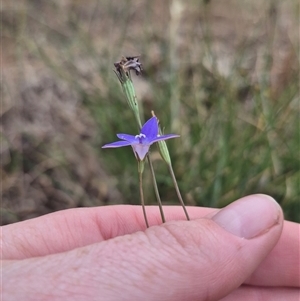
(222, 74)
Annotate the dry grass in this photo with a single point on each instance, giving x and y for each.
(225, 75)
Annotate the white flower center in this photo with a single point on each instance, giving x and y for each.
(140, 137)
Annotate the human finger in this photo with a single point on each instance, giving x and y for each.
(250, 293)
(68, 229)
(285, 257)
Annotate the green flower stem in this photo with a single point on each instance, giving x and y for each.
(140, 170)
(156, 189)
(178, 191)
(164, 152)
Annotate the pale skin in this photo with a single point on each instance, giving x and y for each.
(245, 251)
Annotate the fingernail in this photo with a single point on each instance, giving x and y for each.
(249, 216)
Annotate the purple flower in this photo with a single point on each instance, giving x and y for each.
(141, 143)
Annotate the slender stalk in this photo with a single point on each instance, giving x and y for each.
(164, 152)
(156, 189)
(178, 191)
(142, 193)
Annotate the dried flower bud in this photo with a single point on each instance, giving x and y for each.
(128, 63)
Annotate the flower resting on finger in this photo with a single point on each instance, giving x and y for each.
(142, 142)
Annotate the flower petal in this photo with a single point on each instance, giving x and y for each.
(117, 144)
(164, 137)
(150, 129)
(127, 137)
(141, 150)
